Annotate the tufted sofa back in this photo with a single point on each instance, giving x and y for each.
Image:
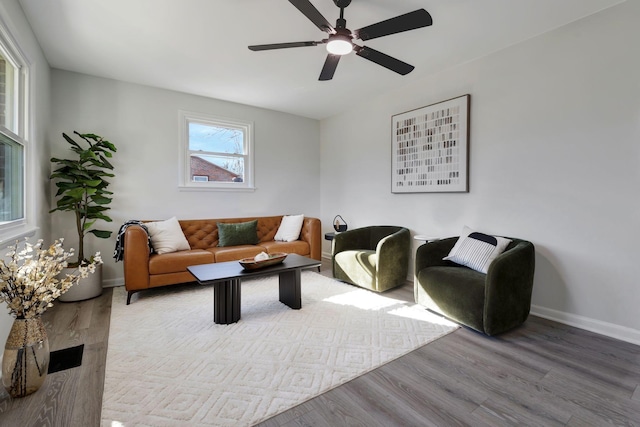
(203, 233)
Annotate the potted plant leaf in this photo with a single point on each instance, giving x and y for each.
(82, 189)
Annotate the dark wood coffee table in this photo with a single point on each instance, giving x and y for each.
(226, 278)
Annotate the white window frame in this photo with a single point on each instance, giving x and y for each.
(185, 182)
(10, 231)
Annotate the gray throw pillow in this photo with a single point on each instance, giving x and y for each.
(239, 233)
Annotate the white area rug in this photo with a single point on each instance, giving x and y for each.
(168, 364)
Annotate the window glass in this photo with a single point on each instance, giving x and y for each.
(11, 180)
(217, 153)
(12, 134)
(8, 101)
(215, 138)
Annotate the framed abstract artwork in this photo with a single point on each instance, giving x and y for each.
(430, 148)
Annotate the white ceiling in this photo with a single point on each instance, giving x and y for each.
(200, 46)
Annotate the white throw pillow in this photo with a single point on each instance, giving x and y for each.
(167, 236)
(476, 250)
(290, 228)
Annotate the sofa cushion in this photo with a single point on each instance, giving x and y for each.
(289, 229)
(268, 227)
(239, 233)
(234, 253)
(178, 261)
(167, 236)
(200, 233)
(476, 250)
(357, 267)
(297, 247)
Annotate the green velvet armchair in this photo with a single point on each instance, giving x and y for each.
(375, 257)
(489, 303)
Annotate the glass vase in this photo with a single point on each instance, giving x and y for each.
(26, 357)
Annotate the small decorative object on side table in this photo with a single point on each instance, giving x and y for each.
(338, 226)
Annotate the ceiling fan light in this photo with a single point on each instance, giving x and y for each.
(339, 46)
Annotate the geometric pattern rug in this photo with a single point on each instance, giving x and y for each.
(168, 364)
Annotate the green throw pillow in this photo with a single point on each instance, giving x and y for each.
(239, 233)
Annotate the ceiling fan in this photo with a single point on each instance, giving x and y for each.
(340, 40)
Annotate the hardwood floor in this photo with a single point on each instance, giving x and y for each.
(71, 397)
(541, 374)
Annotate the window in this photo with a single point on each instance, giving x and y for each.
(215, 153)
(11, 179)
(13, 75)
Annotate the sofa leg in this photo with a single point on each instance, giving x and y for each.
(129, 297)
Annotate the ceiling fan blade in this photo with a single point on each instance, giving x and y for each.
(386, 61)
(329, 67)
(282, 45)
(313, 15)
(409, 21)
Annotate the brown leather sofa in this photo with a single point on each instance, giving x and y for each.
(145, 271)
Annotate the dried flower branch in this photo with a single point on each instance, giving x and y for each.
(29, 279)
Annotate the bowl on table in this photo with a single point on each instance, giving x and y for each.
(252, 264)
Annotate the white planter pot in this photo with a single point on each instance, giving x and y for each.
(89, 287)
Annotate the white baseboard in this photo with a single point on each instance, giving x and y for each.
(604, 328)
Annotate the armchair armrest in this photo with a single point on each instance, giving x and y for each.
(431, 253)
(392, 253)
(509, 285)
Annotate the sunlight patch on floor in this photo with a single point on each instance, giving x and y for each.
(367, 300)
(364, 300)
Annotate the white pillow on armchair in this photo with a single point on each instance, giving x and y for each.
(477, 250)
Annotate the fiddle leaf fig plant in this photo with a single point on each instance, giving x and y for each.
(82, 185)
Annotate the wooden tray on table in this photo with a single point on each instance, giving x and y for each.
(252, 264)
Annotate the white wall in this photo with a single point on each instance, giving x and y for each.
(37, 150)
(555, 125)
(143, 124)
